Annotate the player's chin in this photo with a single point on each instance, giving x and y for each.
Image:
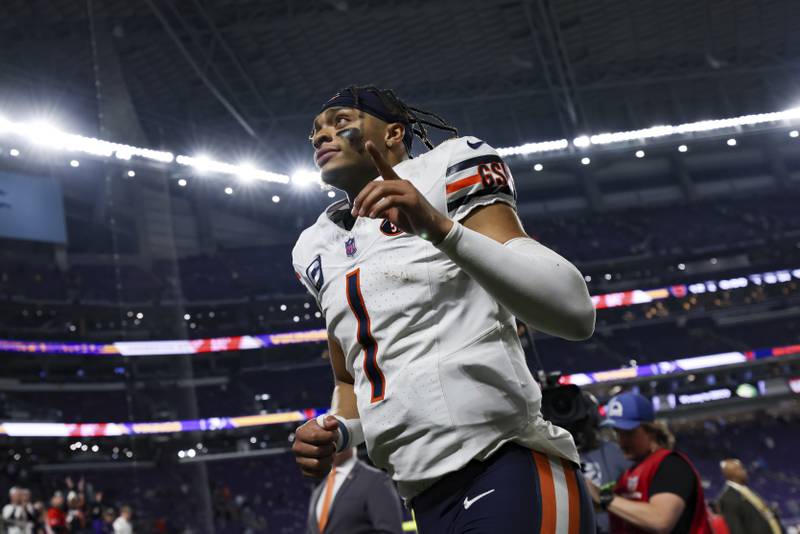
(335, 172)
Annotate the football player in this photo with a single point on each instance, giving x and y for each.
(420, 273)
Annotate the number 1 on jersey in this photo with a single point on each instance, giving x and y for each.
(365, 339)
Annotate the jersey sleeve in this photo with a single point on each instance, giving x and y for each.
(308, 273)
(476, 175)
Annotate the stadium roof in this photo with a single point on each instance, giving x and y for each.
(252, 73)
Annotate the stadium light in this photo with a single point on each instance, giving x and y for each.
(582, 142)
(538, 167)
(131, 173)
(683, 148)
(228, 190)
(692, 127)
(534, 148)
(640, 154)
(246, 172)
(303, 177)
(331, 194)
(731, 142)
(794, 134)
(182, 182)
(14, 152)
(276, 199)
(585, 161)
(74, 163)
(204, 163)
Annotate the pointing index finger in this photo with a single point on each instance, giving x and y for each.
(380, 162)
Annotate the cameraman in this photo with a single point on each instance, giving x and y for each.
(662, 491)
(602, 461)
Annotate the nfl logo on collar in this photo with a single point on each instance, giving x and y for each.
(350, 247)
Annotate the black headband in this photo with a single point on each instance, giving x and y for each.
(370, 102)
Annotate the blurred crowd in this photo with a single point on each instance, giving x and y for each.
(71, 510)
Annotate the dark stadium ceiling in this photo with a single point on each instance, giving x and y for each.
(247, 73)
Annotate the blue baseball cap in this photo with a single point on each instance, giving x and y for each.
(627, 411)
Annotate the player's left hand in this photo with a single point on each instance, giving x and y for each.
(400, 202)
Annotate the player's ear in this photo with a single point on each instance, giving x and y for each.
(394, 134)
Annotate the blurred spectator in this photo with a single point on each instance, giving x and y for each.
(56, 518)
(662, 492)
(76, 518)
(602, 461)
(122, 524)
(103, 523)
(371, 504)
(18, 514)
(744, 510)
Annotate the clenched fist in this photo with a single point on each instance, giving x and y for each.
(315, 445)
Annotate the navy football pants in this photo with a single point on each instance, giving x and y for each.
(515, 491)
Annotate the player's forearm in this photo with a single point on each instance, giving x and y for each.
(343, 402)
(642, 514)
(534, 283)
(345, 409)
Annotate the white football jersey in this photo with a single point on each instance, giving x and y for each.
(440, 375)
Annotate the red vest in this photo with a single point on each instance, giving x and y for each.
(634, 485)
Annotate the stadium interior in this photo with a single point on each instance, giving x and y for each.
(155, 172)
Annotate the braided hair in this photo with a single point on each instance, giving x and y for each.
(416, 118)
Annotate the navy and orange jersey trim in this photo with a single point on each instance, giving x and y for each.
(480, 176)
(364, 335)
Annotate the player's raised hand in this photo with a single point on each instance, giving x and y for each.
(400, 202)
(315, 445)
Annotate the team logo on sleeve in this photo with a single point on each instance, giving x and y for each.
(350, 247)
(389, 228)
(314, 272)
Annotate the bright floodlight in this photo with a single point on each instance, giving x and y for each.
(640, 153)
(131, 174)
(582, 141)
(246, 172)
(14, 152)
(228, 190)
(182, 182)
(586, 161)
(276, 199)
(331, 194)
(794, 134)
(731, 142)
(683, 148)
(303, 177)
(538, 167)
(74, 163)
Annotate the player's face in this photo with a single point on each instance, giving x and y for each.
(338, 136)
(635, 444)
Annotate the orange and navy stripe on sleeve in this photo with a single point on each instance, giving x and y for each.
(478, 176)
